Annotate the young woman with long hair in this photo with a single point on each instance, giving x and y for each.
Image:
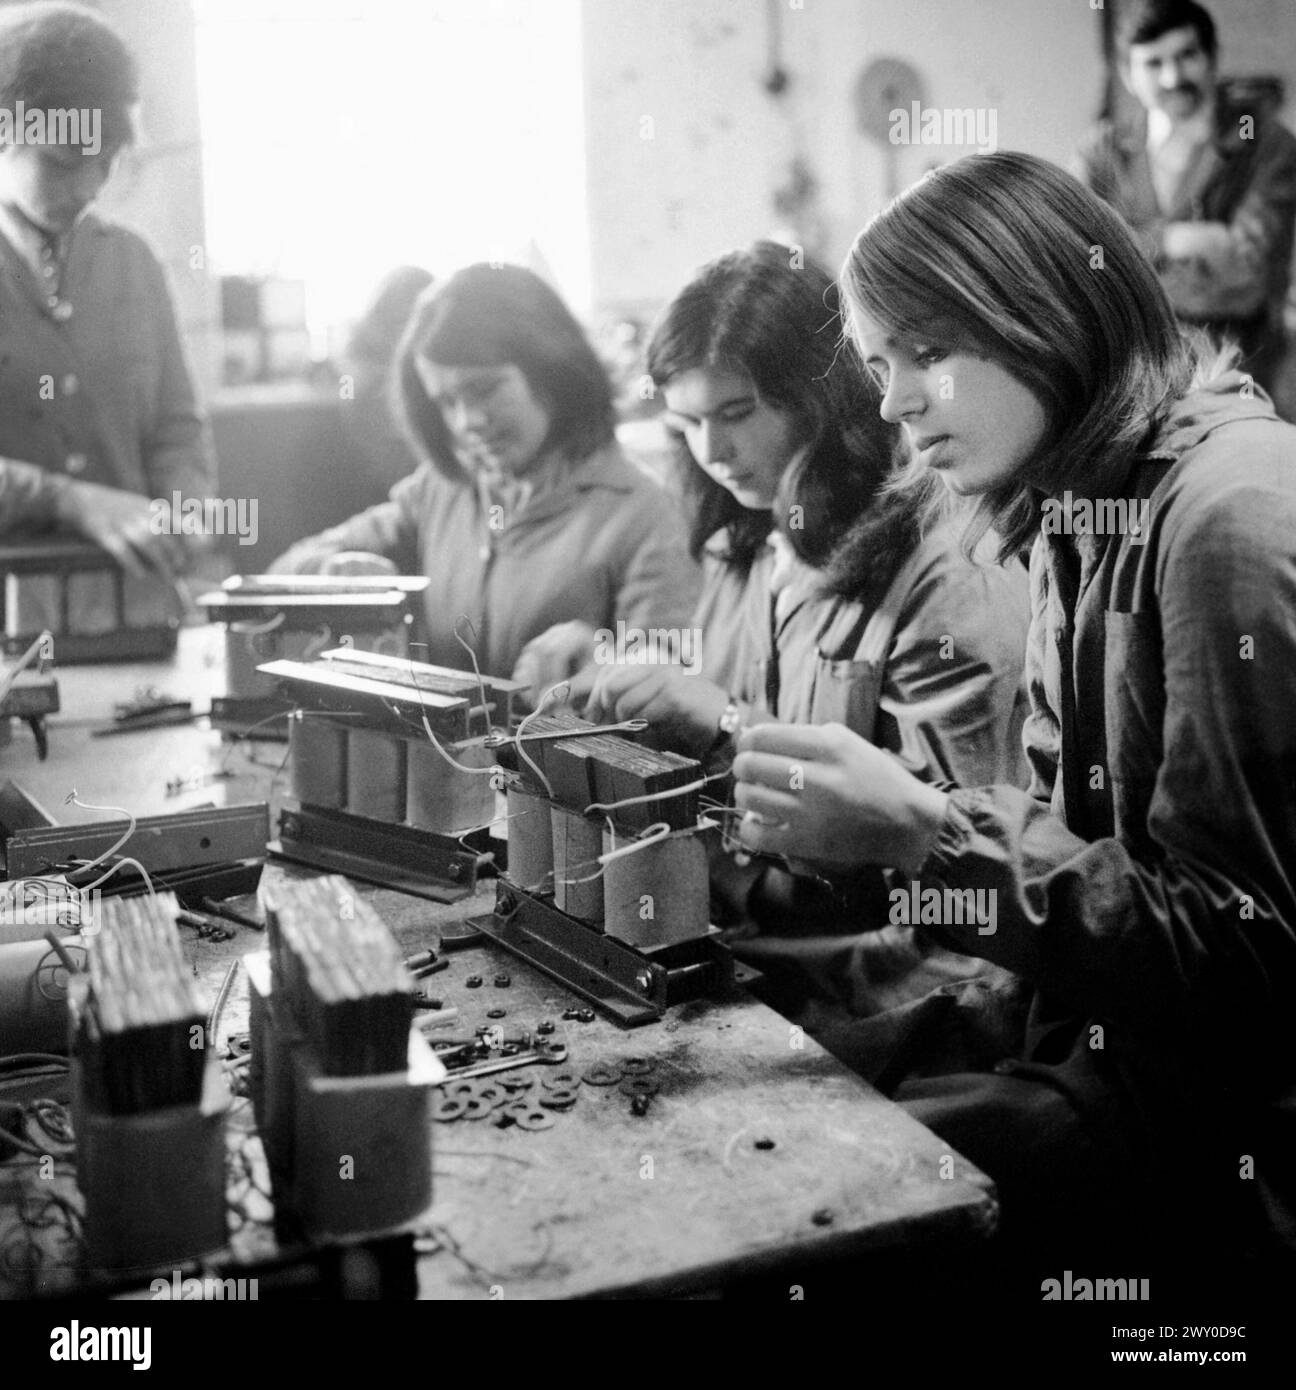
(1144, 886)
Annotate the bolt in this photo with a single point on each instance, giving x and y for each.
(505, 902)
(546, 1027)
(454, 872)
(496, 1013)
(644, 980)
(473, 982)
(503, 981)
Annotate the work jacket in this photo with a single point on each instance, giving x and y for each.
(95, 388)
(602, 544)
(931, 671)
(1146, 882)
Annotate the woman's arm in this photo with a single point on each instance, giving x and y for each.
(1188, 920)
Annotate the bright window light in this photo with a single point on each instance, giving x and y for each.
(343, 138)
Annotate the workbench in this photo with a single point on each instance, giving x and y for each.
(759, 1152)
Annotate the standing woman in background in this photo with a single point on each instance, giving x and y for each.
(1145, 884)
(822, 601)
(97, 406)
(523, 512)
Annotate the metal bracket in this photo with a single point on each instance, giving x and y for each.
(409, 860)
(629, 984)
(181, 840)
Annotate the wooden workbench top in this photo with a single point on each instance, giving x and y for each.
(759, 1151)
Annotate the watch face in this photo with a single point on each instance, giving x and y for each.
(730, 719)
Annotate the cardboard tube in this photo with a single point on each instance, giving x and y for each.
(577, 844)
(376, 775)
(530, 841)
(317, 757)
(443, 798)
(657, 895)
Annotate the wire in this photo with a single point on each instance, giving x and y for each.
(472, 655)
(251, 629)
(121, 864)
(72, 799)
(655, 834)
(27, 1058)
(564, 686)
(432, 738)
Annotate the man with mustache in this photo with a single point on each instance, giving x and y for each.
(1206, 181)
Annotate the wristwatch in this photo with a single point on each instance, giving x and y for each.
(730, 722)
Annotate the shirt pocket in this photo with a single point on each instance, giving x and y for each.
(844, 692)
(1134, 715)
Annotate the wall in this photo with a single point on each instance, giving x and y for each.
(686, 151)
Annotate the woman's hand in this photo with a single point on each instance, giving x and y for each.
(824, 795)
(122, 523)
(557, 653)
(682, 710)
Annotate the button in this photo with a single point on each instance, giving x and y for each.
(70, 385)
(76, 463)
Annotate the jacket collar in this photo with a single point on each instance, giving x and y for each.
(1131, 133)
(1223, 400)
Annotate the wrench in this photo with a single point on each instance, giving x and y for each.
(550, 1054)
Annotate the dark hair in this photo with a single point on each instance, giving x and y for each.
(62, 56)
(1147, 20)
(378, 330)
(773, 316)
(490, 316)
(1007, 256)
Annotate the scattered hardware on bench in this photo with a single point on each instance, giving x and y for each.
(272, 617)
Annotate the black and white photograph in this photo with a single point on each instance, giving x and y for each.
(648, 654)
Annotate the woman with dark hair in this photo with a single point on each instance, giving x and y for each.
(1142, 890)
(98, 413)
(523, 511)
(822, 601)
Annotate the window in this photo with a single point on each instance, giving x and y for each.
(342, 138)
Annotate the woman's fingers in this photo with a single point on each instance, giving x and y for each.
(813, 741)
(774, 805)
